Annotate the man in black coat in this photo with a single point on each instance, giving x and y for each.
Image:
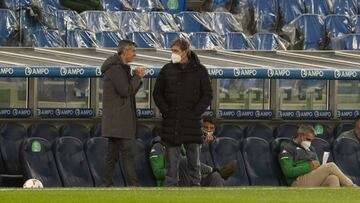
(182, 93)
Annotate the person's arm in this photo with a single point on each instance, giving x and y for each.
(157, 162)
(124, 87)
(290, 169)
(158, 93)
(205, 93)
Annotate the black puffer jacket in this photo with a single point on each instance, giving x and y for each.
(182, 92)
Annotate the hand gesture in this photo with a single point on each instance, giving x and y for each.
(314, 164)
(140, 71)
(209, 138)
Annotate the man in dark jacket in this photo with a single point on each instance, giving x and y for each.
(300, 164)
(119, 111)
(182, 93)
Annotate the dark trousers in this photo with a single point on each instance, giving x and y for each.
(125, 147)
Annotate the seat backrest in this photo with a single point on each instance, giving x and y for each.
(229, 130)
(130, 21)
(345, 7)
(336, 26)
(98, 21)
(258, 162)
(166, 38)
(351, 42)
(79, 39)
(237, 41)
(115, 5)
(146, 5)
(222, 22)
(144, 39)
(145, 134)
(11, 138)
(96, 130)
(44, 130)
(267, 41)
(324, 132)
(346, 155)
(142, 165)
(285, 130)
(76, 130)
(259, 130)
(162, 22)
(319, 7)
(264, 15)
(43, 38)
(322, 146)
(39, 162)
(190, 21)
(289, 10)
(69, 20)
(342, 127)
(96, 150)
(108, 39)
(8, 26)
(205, 40)
(356, 23)
(224, 150)
(72, 163)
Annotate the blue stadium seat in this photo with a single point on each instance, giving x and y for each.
(258, 162)
(108, 39)
(342, 127)
(166, 38)
(142, 164)
(264, 16)
(336, 27)
(319, 7)
(96, 150)
(237, 41)
(146, 5)
(345, 7)
(356, 23)
(346, 153)
(225, 149)
(259, 130)
(69, 20)
(285, 130)
(98, 21)
(289, 10)
(8, 28)
(351, 42)
(44, 38)
(217, 5)
(115, 5)
(130, 21)
(231, 131)
(11, 138)
(205, 40)
(16, 5)
(76, 130)
(174, 6)
(144, 134)
(162, 22)
(39, 162)
(79, 39)
(44, 130)
(144, 39)
(71, 162)
(222, 22)
(268, 41)
(192, 22)
(306, 32)
(96, 130)
(322, 146)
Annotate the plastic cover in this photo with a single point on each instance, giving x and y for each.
(237, 41)
(351, 42)
(263, 15)
(80, 39)
(289, 10)
(356, 23)
(306, 32)
(205, 40)
(192, 22)
(216, 5)
(144, 39)
(174, 6)
(69, 20)
(320, 7)
(345, 7)
(98, 21)
(336, 27)
(44, 38)
(162, 22)
(241, 12)
(167, 37)
(129, 21)
(16, 5)
(222, 22)
(8, 28)
(116, 5)
(146, 5)
(268, 41)
(108, 38)
(48, 9)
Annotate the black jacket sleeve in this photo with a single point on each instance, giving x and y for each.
(206, 93)
(159, 91)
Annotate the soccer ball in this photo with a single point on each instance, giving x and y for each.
(33, 183)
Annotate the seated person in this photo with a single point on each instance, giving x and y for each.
(300, 164)
(210, 176)
(354, 133)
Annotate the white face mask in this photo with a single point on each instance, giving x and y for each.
(208, 133)
(306, 144)
(175, 58)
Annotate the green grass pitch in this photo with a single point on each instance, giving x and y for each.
(183, 195)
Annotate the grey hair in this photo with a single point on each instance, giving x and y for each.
(305, 129)
(124, 45)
